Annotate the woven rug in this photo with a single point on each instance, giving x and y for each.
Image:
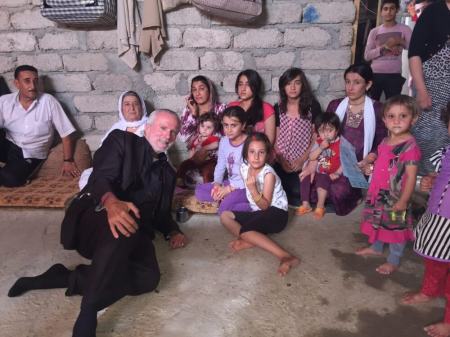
(44, 192)
(48, 189)
(187, 199)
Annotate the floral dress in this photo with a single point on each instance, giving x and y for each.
(189, 124)
(379, 222)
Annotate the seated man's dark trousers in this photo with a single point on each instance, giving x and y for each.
(119, 267)
(17, 169)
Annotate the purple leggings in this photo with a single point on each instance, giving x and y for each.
(320, 180)
(234, 201)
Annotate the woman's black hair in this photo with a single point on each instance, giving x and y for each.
(209, 117)
(328, 118)
(306, 95)
(255, 112)
(362, 69)
(237, 112)
(445, 114)
(256, 137)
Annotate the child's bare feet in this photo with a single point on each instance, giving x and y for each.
(438, 330)
(239, 244)
(367, 251)
(286, 263)
(415, 298)
(386, 268)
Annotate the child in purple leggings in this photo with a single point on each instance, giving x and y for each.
(230, 193)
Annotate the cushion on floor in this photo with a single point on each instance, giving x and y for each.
(48, 189)
(187, 199)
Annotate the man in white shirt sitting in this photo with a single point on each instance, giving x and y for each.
(28, 119)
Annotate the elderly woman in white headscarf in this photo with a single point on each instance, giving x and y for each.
(132, 118)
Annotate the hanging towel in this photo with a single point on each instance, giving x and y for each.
(127, 45)
(153, 31)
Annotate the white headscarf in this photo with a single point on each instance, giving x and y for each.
(123, 124)
(369, 121)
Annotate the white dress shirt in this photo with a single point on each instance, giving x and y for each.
(33, 129)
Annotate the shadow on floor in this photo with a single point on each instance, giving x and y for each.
(404, 321)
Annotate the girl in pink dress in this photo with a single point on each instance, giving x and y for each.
(387, 217)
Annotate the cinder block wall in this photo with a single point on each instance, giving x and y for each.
(81, 68)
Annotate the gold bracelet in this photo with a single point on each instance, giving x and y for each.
(260, 197)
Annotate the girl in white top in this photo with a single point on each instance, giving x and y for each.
(267, 200)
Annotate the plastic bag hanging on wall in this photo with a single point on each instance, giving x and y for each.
(231, 10)
(80, 12)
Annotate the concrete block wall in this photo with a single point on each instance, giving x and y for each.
(81, 68)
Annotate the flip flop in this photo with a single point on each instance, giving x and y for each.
(302, 210)
(319, 212)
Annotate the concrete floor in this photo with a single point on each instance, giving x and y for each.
(206, 290)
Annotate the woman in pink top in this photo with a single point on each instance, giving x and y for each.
(261, 114)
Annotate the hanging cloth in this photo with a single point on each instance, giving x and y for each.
(153, 32)
(127, 45)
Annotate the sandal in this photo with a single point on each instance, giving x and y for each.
(302, 210)
(319, 212)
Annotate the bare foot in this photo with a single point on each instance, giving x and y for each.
(368, 251)
(415, 298)
(239, 244)
(438, 330)
(386, 268)
(286, 263)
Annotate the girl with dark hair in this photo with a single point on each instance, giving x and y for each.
(231, 192)
(269, 207)
(326, 165)
(260, 114)
(362, 125)
(202, 100)
(206, 141)
(294, 113)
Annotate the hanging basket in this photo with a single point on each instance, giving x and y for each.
(80, 12)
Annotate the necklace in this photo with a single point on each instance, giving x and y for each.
(352, 106)
(354, 118)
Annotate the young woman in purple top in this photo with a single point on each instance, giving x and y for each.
(362, 126)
